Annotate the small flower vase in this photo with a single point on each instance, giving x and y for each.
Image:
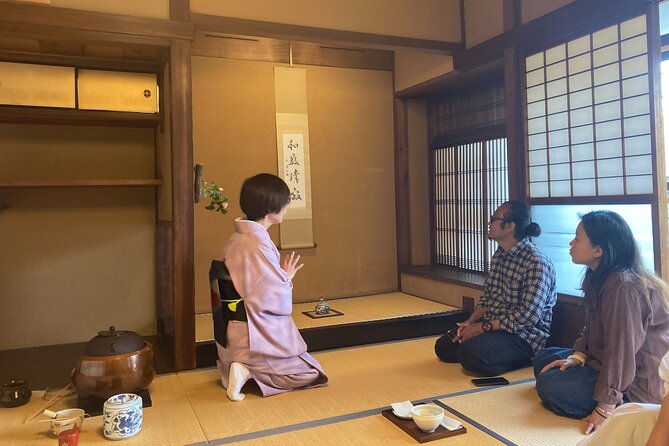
(322, 307)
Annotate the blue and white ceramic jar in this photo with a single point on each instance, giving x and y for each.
(122, 416)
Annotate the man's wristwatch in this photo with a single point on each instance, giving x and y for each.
(486, 325)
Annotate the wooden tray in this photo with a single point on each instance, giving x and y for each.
(410, 428)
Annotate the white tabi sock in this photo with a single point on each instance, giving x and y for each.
(224, 379)
(239, 374)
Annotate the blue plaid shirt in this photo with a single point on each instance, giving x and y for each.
(520, 292)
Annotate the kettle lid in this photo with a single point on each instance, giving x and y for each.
(114, 342)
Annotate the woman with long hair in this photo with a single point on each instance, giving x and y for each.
(626, 331)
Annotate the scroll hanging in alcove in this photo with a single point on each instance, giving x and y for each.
(292, 142)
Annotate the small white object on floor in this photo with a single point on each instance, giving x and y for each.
(239, 374)
(403, 409)
(450, 423)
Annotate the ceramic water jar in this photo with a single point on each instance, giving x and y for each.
(122, 416)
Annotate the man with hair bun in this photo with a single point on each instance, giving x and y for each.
(513, 317)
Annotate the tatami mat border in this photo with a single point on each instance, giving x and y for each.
(366, 413)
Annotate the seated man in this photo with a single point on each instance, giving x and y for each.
(513, 318)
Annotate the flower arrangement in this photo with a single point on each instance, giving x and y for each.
(218, 203)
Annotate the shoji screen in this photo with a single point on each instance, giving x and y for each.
(588, 115)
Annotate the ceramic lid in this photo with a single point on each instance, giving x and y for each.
(114, 342)
(123, 400)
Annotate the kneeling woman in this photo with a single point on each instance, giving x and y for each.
(626, 330)
(267, 347)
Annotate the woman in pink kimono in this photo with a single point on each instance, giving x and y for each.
(267, 346)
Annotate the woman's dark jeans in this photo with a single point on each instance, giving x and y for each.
(567, 393)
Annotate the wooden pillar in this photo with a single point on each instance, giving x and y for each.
(402, 204)
(182, 204)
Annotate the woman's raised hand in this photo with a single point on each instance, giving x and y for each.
(564, 364)
(290, 264)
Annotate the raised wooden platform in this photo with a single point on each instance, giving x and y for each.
(366, 320)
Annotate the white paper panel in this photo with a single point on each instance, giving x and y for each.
(639, 165)
(538, 190)
(637, 145)
(556, 71)
(536, 125)
(608, 92)
(640, 185)
(607, 130)
(637, 126)
(638, 105)
(579, 46)
(610, 186)
(633, 27)
(608, 73)
(555, 54)
(632, 47)
(579, 63)
(539, 173)
(635, 66)
(536, 109)
(584, 188)
(583, 152)
(560, 171)
(605, 55)
(635, 86)
(581, 116)
(535, 77)
(607, 111)
(610, 167)
(610, 149)
(605, 37)
(537, 157)
(560, 189)
(558, 104)
(580, 98)
(584, 169)
(558, 121)
(534, 61)
(536, 141)
(558, 138)
(536, 93)
(580, 81)
(581, 134)
(559, 155)
(556, 88)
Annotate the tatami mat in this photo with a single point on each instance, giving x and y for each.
(369, 431)
(170, 421)
(515, 413)
(355, 309)
(361, 379)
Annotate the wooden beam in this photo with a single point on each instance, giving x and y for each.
(229, 25)
(65, 116)
(48, 16)
(513, 118)
(454, 80)
(83, 61)
(277, 51)
(181, 132)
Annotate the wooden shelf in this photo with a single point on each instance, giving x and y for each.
(17, 114)
(80, 183)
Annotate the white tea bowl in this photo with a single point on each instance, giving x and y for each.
(427, 416)
(65, 419)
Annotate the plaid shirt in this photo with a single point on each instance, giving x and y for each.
(520, 292)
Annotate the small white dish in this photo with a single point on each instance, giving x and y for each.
(406, 416)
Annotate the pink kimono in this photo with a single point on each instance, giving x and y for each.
(268, 344)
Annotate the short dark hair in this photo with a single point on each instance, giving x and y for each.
(263, 194)
(519, 213)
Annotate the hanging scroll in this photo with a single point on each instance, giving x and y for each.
(292, 138)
